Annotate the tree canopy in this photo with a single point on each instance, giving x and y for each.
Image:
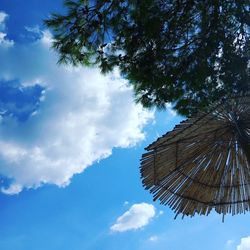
(186, 52)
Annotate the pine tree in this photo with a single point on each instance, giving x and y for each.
(186, 52)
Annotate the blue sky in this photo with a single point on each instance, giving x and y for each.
(70, 144)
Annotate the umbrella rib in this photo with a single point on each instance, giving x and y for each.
(190, 159)
(190, 138)
(199, 201)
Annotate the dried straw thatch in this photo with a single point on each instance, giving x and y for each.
(204, 163)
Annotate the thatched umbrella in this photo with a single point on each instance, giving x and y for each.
(204, 163)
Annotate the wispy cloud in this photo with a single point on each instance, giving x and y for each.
(230, 242)
(82, 116)
(153, 238)
(138, 216)
(125, 203)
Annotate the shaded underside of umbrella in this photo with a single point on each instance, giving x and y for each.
(204, 162)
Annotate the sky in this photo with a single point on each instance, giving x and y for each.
(70, 146)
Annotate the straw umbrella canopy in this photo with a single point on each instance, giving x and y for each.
(204, 162)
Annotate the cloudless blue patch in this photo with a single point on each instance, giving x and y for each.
(4, 181)
(18, 101)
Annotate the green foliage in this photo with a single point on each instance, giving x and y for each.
(187, 52)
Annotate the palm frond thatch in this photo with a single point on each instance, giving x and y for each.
(204, 163)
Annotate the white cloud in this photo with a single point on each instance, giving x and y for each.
(13, 189)
(83, 115)
(244, 244)
(3, 17)
(136, 217)
(170, 109)
(4, 42)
